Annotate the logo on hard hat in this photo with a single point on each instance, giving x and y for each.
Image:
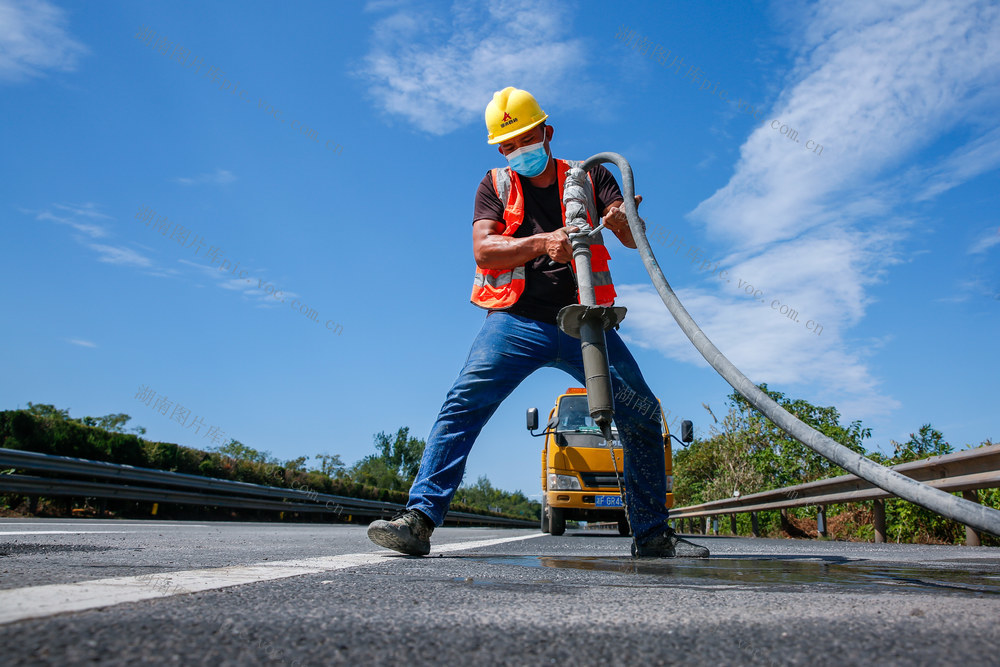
(507, 120)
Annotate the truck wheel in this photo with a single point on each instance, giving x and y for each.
(557, 521)
(623, 528)
(545, 518)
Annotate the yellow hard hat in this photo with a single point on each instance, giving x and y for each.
(511, 112)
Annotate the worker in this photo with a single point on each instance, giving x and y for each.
(523, 278)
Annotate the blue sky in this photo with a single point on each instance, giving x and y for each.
(178, 180)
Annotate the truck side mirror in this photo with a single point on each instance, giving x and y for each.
(532, 418)
(687, 431)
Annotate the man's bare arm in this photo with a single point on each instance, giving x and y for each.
(493, 250)
(617, 222)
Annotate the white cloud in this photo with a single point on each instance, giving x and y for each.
(212, 272)
(93, 231)
(765, 344)
(440, 73)
(382, 5)
(251, 290)
(70, 218)
(88, 210)
(33, 39)
(81, 343)
(870, 89)
(109, 254)
(989, 239)
(120, 255)
(978, 156)
(220, 177)
(877, 85)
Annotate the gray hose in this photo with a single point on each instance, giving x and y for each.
(964, 511)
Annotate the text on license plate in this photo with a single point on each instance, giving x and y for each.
(607, 501)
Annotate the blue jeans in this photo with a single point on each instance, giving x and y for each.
(508, 349)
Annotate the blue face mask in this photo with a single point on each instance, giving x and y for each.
(529, 160)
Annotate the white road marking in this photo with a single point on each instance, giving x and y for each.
(117, 524)
(60, 532)
(461, 546)
(40, 601)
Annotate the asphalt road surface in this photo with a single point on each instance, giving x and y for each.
(126, 592)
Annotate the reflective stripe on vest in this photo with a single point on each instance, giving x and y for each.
(498, 289)
(497, 281)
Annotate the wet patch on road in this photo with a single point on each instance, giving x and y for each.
(831, 573)
(19, 549)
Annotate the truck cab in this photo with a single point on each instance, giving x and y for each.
(578, 477)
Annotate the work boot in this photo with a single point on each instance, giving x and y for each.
(408, 532)
(668, 545)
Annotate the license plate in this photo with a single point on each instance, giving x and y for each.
(608, 501)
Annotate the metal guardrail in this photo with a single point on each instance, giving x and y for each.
(601, 525)
(963, 471)
(129, 484)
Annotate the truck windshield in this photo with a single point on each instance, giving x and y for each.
(574, 417)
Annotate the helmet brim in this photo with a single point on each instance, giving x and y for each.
(514, 133)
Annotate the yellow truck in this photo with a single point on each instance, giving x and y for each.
(578, 477)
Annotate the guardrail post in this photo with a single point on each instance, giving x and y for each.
(715, 525)
(821, 520)
(786, 525)
(878, 509)
(33, 505)
(971, 536)
(754, 526)
(732, 524)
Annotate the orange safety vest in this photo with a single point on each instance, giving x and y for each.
(499, 289)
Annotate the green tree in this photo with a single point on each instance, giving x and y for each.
(483, 495)
(47, 411)
(925, 443)
(401, 453)
(237, 450)
(749, 453)
(374, 471)
(114, 423)
(783, 460)
(330, 465)
(905, 521)
(296, 464)
(395, 463)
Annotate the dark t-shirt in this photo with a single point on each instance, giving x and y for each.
(547, 288)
